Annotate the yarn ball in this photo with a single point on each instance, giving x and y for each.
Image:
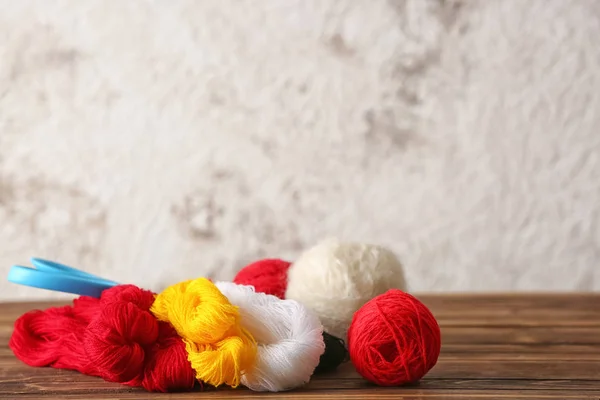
(394, 339)
(267, 276)
(219, 348)
(335, 279)
(335, 354)
(289, 337)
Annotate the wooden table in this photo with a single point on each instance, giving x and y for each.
(494, 347)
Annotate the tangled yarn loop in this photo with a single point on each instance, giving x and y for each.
(219, 349)
(289, 337)
(115, 338)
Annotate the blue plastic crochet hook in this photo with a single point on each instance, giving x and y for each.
(57, 277)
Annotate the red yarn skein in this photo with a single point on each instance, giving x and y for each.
(51, 338)
(267, 276)
(116, 342)
(116, 338)
(130, 346)
(394, 339)
(85, 308)
(167, 368)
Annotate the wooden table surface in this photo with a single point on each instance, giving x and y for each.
(537, 346)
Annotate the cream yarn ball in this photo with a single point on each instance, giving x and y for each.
(334, 279)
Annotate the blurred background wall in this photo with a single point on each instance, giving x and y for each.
(155, 141)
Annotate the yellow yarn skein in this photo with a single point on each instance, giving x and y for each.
(218, 348)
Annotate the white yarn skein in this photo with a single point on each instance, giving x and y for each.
(289, 337)
(334, 279)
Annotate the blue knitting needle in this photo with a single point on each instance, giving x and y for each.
(54, 276)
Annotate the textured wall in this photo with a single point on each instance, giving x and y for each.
(156, 141)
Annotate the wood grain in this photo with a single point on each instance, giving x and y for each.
(495, 346)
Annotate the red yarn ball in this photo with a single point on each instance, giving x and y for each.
(394, 339)
(267, 276)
